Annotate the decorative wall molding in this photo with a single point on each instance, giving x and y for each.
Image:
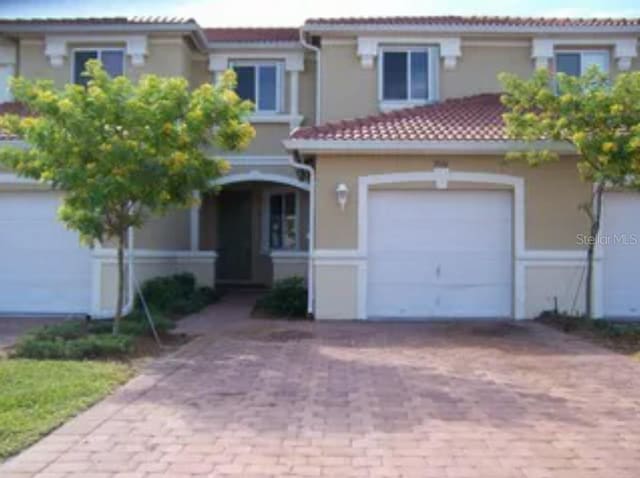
(624, 49)
(110, 255)
(257, 160)
(259, 176)
(450, 47)
(293, 60)
(57, 46)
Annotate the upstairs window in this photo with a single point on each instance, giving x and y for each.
(576, 63)
(260, 83)
(112, 61)
(407, 75)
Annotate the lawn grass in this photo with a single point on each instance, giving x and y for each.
(39, 395)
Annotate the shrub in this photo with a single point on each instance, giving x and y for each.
(89, 346)
(176, 295)
(287, 298)
(69, 329)
(136, 323)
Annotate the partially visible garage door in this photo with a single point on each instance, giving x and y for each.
(621, 254)
(439, 254)
(43, 267)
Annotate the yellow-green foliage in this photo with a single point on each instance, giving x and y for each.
(599, 117)
(120, 150)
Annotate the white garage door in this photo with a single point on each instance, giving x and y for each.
(43, 267)
(439, 254)
(621, 252)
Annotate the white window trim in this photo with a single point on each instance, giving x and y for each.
(432, 78)
(279, 85)
(266, 216)
(99, 50)
(599, 51)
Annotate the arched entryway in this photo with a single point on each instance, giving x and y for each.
(258, 226)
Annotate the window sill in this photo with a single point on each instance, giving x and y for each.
(386, 106)
(288, 255)
(276, 118)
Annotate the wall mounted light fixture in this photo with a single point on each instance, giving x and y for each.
(342, 193)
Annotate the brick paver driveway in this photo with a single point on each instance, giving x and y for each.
(256, 398)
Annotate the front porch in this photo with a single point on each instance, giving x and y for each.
(258, 230)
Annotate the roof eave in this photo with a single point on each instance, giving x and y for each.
(313, 146)
(190, 28)
(356, 29)
(254, 45)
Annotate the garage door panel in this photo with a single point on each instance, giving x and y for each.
(621, 254)
(439, 254)
(45, 268)
(481, 301)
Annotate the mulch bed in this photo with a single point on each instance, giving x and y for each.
(621, 337)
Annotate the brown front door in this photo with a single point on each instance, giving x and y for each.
(234, 236)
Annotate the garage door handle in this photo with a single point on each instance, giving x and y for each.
(438, 271)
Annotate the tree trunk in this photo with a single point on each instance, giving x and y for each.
(120, 300)
(593, 237)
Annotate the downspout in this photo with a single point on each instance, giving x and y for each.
(128, 306)
(318, 53)
(312, 224)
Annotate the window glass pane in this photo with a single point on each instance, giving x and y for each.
(113, 62)
(394, 81)
(267, 88)
(81, 57)
(419, 69)
(568, 63)
(246, 88)
(289, 233)
(275, 222)
(599, 59)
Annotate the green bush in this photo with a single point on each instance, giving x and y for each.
(89, 346)
(287, 298)
(176, 295)
(67, 330)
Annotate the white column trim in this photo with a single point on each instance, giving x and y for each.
(294, 93)
(194, 222)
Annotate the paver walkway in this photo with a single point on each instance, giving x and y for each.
(258, 398)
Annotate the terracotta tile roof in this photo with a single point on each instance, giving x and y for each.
(473, 118)
(454, 20)
(97, 21)
(252, 34)
(11, 107)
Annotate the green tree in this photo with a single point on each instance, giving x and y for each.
(124, 151)
(598, 117)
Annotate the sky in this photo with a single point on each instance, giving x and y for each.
(294, 12)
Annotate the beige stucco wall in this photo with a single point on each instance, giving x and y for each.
(546, 284)
(350, 90)
(168, 232)
(347, 89)
(477, 70)
(167, 56)
(147, 268)
(553, 193)
(284, 268)
(336, 292)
